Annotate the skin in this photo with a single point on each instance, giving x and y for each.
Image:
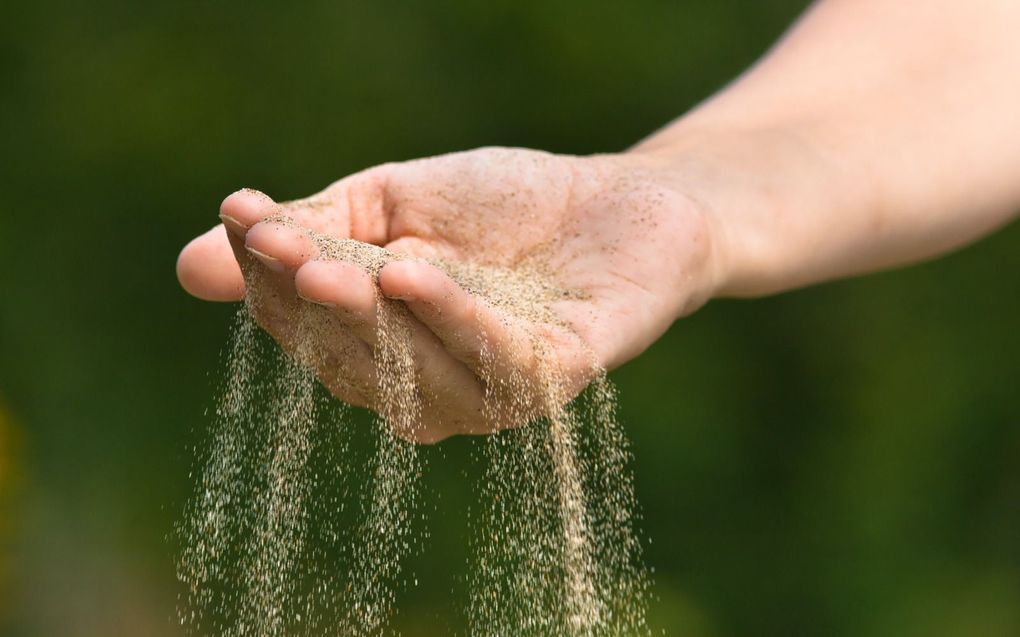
(874, 134)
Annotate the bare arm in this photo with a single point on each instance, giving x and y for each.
(876, 133)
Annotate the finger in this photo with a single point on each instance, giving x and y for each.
(281, 247)
(340, 359)
(312, 335)
(342, 287)
(207, 269)
(360, 206)
(420, 248)
(268, 264)
(243, 209)
(519, 353)
(317, 341)
(455, 398)
(464, 325)
(357, 206)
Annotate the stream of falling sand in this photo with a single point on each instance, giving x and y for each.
(555, 551)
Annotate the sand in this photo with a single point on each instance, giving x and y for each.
(555, 548)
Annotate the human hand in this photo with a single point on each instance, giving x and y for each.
(615, 229)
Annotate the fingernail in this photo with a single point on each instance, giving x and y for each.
(234, 225)
(331, 306)
(272, 263)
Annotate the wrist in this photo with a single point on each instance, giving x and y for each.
(770, 197)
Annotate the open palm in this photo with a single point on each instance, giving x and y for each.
(635, 253)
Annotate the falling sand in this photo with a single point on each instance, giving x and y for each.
(554, 549)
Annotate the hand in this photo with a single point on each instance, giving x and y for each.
(614, 228)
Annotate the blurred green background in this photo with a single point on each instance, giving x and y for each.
(843, 460)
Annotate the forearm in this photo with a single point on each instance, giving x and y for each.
(876, 133)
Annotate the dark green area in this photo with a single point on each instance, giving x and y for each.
(839, 461)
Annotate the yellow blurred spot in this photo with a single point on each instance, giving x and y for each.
(7, 483)
(6, 462)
